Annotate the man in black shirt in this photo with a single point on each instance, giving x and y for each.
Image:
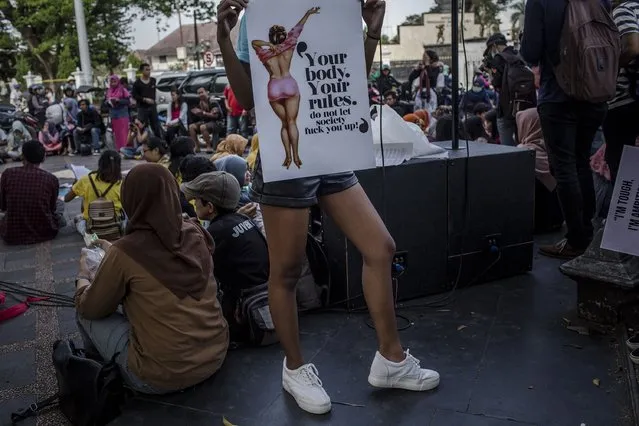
(88, 130)
(240, 259)
(390, 99)
(144, 94)
(496, 46)
(569, 126)
(206, 118)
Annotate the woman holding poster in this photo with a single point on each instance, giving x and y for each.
(283, 92)
(285, 206)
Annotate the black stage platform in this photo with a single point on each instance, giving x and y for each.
(504, 357)
(426, 212)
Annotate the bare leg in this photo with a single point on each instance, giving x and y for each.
(286, 234)
(353, 212)
(292, 106)
(280, 111)
(205, 135)
(193, 133)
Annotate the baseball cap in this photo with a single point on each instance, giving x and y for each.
(497, 38)
(219, 188)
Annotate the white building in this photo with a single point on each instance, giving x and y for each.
(173, 51)
(436, 30)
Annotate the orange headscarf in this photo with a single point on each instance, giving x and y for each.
(423, 115)
(232, 145)
(413, 118)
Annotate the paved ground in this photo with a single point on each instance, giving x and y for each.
(502, 351)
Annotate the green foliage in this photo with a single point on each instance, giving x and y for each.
(8, 52)
(414, 20)
(46, 31)
(518, 10)
(22, 68)
(67, 61)
(132, 59)
(487, 14)
(444, 6)
(203, 10)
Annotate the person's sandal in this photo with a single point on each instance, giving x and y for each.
(634, 356)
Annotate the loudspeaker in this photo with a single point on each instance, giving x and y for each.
(474, 210)
(415, 214)
(491, 205)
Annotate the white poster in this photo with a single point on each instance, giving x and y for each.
(310, 87)
(621, 233)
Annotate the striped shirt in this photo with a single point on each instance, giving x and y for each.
(626, 17)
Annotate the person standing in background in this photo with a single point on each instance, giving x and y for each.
(497, 50)
(144, 94)
(236, 119)
(621, 126)
(569, 126)
(118, 100)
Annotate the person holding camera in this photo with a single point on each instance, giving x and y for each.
(89, 127)
(509, 71)
(138, 135)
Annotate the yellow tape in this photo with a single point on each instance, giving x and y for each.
(55, 81)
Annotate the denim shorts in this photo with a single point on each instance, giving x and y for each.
(297, 193)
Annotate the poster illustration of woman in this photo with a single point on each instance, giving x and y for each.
(283, 92)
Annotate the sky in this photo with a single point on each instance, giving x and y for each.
(146, 35)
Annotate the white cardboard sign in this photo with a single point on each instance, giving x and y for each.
(621, 233)
(310, 87)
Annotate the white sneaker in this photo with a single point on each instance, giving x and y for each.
(306, 387)
(402, 375)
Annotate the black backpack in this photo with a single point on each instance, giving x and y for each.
(518, 91)
(90, 393)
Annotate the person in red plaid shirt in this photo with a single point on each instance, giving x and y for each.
(29, 200)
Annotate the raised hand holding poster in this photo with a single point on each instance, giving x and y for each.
(310, 87)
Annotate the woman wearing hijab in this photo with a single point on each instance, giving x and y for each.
(17, 137)
(50, 138)
(174, 334)
(118, 98)
(252, 155)
(413, 118)
(232, 145)
(548, 214)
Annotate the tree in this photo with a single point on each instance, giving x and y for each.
(8, 52)
(444, 6)
(486, 14)
(517, 18)
(22, 68)
(67, 62)
(46, 33)
(414, 20)
(133, 60)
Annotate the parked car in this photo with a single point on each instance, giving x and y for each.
(214, 80)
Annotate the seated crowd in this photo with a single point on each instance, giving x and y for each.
(72, 127)
(187, 244)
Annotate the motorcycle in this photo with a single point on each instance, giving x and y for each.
(9, 114)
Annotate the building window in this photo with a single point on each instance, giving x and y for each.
(163, 59)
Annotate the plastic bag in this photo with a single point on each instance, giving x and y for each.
(395, 130)
(94, 258)
(393, 127)
(422, 146)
